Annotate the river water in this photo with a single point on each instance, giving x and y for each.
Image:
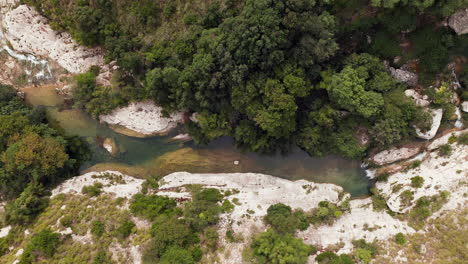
(159, 155)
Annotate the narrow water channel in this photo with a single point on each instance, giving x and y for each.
(142, 156)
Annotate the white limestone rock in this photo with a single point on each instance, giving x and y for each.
(393, 155)
(29, 32)
(445, 139)
(419, 100)
(459, 22)
(464, 106)
(436, 119)
(143, 117)
(440, 173)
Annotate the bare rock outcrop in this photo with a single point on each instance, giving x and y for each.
(29, 32)
(436, 119)
(440, 173)
(394, 154)
(403, 76)
(419, 100)
(143, 117)
(464, 106)
(459, 22)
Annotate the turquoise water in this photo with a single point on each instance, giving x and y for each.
(144, 152)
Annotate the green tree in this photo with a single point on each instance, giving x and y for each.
(27, 206)
(42, 245)
(270, 247)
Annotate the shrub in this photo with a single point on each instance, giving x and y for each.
(463, 139)
(177, 255)
(42, 245)
(150, 206)
(406, 197)
(227, 206)
(417, 181)
(98, 228)
(92, 190)
(363, 255)
(283, 220)
(271, 247)
(445, 150)
(26, 207)
(126, 228)
(101, 258)
(400, 238)
(66, 221)
(327, 213)
(328, 257)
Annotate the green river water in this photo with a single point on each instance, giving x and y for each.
(140, 156)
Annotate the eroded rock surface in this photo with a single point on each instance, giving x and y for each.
(403, 76)
(143, 117)
(459, 22)
(394, 154)
(436, 119)
(29, 32)
(419, 100)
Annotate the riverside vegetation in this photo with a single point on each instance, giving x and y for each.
(271, 74)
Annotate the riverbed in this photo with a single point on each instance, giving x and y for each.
(161, 155)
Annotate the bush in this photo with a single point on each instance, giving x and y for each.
(101, 258)
(283, 220)
(328, 257)
(98, 228)
(150, 206)
(66, 221)
(271, 247)
(463, 139)
(327, 212)
(400, 238)
(26, 207)
(126, 228)
(445, 150)
(92, 190)
(42, 245)
(177, 255)
(417, 181)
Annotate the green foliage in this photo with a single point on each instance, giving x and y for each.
(327, 212)
(328, 257)
(151, 206)
(126, 228)
(98, 228)
(445, 150)
(417, 181)
(42, 245)
(27, 206)
(92, 190)
(400, 238)
(283, 220)
(177, 255)
(426, 206)
(101, 258)
(463, 139)
(271, 247)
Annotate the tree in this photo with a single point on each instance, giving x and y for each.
(270, 247)
(27, 206)
(151, 206)
(35, 158)
(43, 244)
(348, 90)
(283, 220)
(177, 255)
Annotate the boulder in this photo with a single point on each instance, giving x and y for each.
(419, 100)
(394, 155)
(459, 22)
(110, 145)
(464, 106)
(403, 76)
(436, 119)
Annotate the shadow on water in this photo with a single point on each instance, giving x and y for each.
(141, 156)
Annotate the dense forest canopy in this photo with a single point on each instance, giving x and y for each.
(271, 74)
